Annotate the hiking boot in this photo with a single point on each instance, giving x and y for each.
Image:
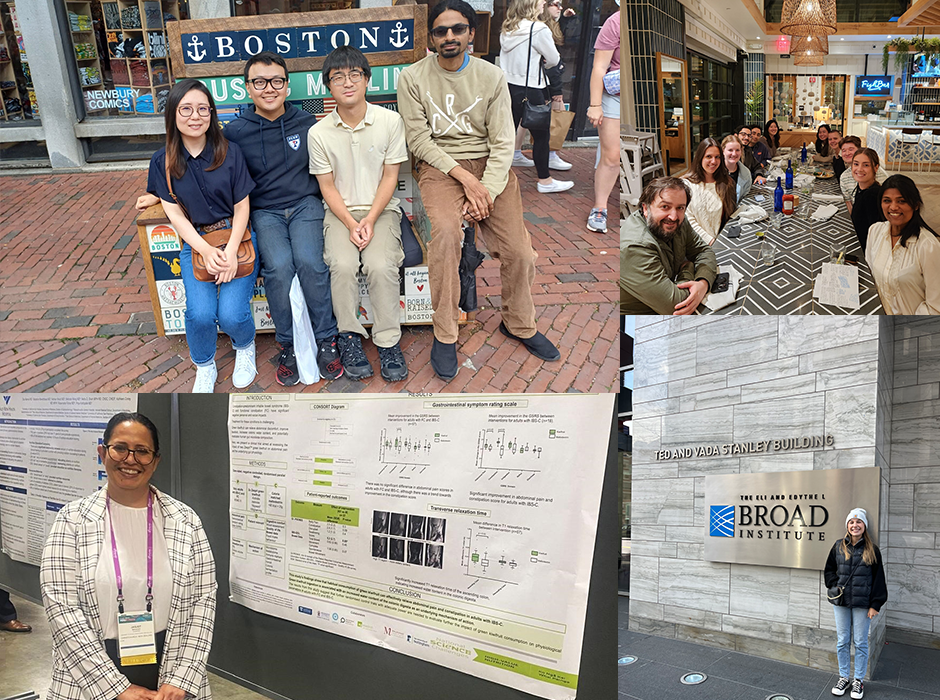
(538, 344)
(444, 360)
(331, 367)
(205, 378)
(597, 220)
(839, 688)
(394, 367)
(858, 690)
(354, 359)
(287, 374)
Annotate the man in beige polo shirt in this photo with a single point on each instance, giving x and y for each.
(355, 152)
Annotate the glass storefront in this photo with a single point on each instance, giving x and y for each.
(710, 98)
(17, 96)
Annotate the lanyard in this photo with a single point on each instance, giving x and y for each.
(117, 563)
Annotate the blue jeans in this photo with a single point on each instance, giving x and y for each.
(208, 304)
(852, 626)
(291, 241)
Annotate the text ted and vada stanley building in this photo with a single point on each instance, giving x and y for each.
(752, 440)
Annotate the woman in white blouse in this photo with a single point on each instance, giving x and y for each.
(714, 196)
(904, 252)
(128, 549)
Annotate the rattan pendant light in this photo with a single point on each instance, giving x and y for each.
(808, 59)
(808, 17)
(805, 44)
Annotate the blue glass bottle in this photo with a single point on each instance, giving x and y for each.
(778, 197)
(789, 174)
(803, 154)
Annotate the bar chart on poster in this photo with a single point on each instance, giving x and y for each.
(456, 530)
(48, 457)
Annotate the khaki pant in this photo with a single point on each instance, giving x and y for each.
(505, 236)
(380, 262)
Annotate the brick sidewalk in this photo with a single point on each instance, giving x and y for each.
(75, 312)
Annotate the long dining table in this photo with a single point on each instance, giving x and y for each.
(802, 246)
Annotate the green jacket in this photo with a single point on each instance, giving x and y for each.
(650, 269)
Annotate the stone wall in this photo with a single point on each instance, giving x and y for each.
(717, 380)
(913, 543)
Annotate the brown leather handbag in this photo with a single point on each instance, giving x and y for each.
(217, 235)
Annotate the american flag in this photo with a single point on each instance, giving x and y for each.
(318, 106)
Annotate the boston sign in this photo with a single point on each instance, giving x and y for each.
(219, 47)
(787, 519)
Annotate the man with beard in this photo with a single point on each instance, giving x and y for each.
(665, 267)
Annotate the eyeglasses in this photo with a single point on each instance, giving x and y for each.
(457, 29)
(187, 111)
(142, 455)
(355, 76)
(262, 83)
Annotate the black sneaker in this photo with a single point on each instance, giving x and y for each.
(538, 344)
(287, 367)
(444, 360)
(394, 367)
(839, 688)
(328, 359)
(858, 690)
(354, 359)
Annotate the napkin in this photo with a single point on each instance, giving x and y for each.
(825, 212)
(749, 213)
(720, 301)
(801, 180)
(828, 197)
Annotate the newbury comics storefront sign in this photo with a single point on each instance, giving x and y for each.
(787, 519)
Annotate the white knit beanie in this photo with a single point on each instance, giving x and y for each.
(859, 513)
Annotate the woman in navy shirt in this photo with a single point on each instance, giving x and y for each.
(211, 182)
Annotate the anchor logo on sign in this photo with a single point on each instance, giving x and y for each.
(398, 31)
(195, 54)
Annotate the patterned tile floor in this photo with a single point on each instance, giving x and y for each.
(786, 287)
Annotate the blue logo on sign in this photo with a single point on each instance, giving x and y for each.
(722, 521)
(305, 611)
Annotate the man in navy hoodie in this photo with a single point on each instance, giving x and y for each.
(286, 212)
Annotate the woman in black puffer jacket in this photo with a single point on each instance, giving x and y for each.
(855, 578)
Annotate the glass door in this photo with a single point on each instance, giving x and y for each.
(674, 116)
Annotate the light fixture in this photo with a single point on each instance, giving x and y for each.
(808, 59)
(805, 17)
(804, 44)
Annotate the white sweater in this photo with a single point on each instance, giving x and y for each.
(704, 210)
(514, 50)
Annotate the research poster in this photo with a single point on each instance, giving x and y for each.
(48, 457)
(458, 530)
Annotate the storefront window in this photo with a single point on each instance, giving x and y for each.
(806, 101)
(122, 55)
(18, 101)
(270, 7)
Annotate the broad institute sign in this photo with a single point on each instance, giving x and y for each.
(788, 519)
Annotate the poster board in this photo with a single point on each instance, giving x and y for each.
(48, 457)
(452, 529)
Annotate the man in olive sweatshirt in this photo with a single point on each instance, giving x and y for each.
(458, 123)
(665, 267)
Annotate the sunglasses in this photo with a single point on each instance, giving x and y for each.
(457, 29)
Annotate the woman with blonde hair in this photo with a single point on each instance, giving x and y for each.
(856, 587)
(733, 150)
(527, 49)
(714, 196)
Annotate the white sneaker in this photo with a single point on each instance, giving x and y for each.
(245, 370)
(205, 379)
(556, 186)
(556, 163)
(521, 161)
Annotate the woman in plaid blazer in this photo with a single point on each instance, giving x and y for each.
(76, 598)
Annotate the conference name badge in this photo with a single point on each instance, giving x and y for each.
(137, 643)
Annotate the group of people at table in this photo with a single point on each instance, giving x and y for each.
(668, 266)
